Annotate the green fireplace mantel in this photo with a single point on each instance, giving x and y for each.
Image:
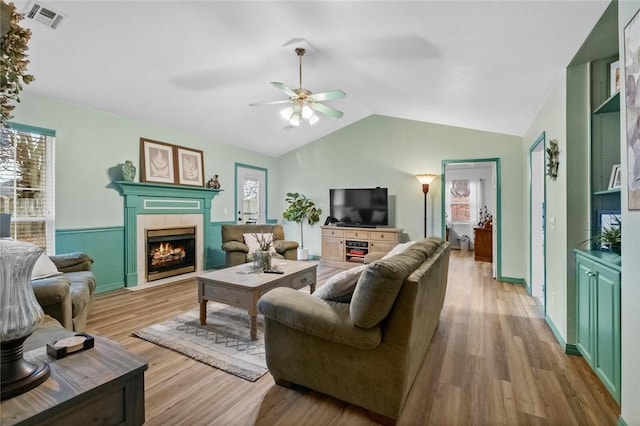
(151, 198)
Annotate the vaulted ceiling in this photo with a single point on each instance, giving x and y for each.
(197, 65)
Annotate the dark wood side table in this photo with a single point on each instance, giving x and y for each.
(101, 385)
(483, 244)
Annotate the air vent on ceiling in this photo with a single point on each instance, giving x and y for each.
(44, 14)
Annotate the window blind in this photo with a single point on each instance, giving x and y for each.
(27, 185)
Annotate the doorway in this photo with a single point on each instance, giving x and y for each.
(484, 175)
(537, 231)
(251, 194)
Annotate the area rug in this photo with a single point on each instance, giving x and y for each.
(224, 342)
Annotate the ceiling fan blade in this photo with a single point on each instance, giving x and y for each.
(327, 110)
(285, 89)
(325, 96)
(287, 101)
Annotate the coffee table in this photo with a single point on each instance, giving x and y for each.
(242, 287)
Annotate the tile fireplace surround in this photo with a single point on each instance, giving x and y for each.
(153, 206)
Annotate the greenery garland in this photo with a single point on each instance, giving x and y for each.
(13, 60)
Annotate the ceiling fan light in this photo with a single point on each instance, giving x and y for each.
(313, 119)
(307, 112)
(286, 113)
(295, 119)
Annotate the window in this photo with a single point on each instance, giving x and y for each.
(463, 200)
(459, 201)
(251, 208)
(27, 183)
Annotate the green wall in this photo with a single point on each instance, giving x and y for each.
(552, 119)
(90, 144)
(388, 152)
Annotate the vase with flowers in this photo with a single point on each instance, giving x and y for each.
(262, 256)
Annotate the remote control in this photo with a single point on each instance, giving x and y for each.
(271, 271)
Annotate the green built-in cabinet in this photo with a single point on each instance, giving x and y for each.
(598, 315)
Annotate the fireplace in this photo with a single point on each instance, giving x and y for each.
(170, 251)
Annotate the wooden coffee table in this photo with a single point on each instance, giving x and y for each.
(242, 287)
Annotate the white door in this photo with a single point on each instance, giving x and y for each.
(251, 194)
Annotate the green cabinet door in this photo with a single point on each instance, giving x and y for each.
(598, 315)
(584, 296)
(607, 328)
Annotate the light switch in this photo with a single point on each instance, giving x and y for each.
(552, 223)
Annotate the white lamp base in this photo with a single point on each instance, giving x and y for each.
(303, 253)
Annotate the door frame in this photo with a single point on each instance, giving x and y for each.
(266, 188)
(497, 215)
(540, 140)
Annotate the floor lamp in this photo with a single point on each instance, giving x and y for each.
(425, 180)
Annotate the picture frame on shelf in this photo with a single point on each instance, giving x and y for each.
(607, 223)
(615, 180)
(614, 77)
(190, 166)
(157, 162)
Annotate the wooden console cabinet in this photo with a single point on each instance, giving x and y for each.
(483, 245)
(350, 245)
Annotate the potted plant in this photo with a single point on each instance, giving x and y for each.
(300, 208)
(608, 238)
(13, 45)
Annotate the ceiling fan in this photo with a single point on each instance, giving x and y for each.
(304, 102)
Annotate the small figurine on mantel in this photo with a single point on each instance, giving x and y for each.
(213, 183)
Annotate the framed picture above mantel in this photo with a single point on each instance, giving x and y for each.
(190, 166)
(165, 163)
(156, 162)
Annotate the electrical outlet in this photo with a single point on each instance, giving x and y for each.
(226, 211)
(552, 222)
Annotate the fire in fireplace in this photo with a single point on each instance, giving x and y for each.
(170, 251)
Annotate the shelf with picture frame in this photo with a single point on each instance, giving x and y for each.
(605, 136)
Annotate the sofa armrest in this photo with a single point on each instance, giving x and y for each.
(317, 317)
(54, 296)
(235, 246)
(282, 246)
(72, 262)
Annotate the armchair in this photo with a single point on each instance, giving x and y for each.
(237, 252)
(68, 297)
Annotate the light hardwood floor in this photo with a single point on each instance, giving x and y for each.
(493, 361)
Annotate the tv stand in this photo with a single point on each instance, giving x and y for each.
(344, 246)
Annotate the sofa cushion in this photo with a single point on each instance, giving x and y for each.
(427, 246)
(44, 268)
(72, 262)
(339, 288)
(399, 248)
(379, 285)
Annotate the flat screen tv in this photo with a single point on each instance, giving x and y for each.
(366, 207)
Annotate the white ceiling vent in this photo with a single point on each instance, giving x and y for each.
(44, 14)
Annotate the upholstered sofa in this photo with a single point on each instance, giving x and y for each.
(68, 297)
(367, 349)
(238, 252)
